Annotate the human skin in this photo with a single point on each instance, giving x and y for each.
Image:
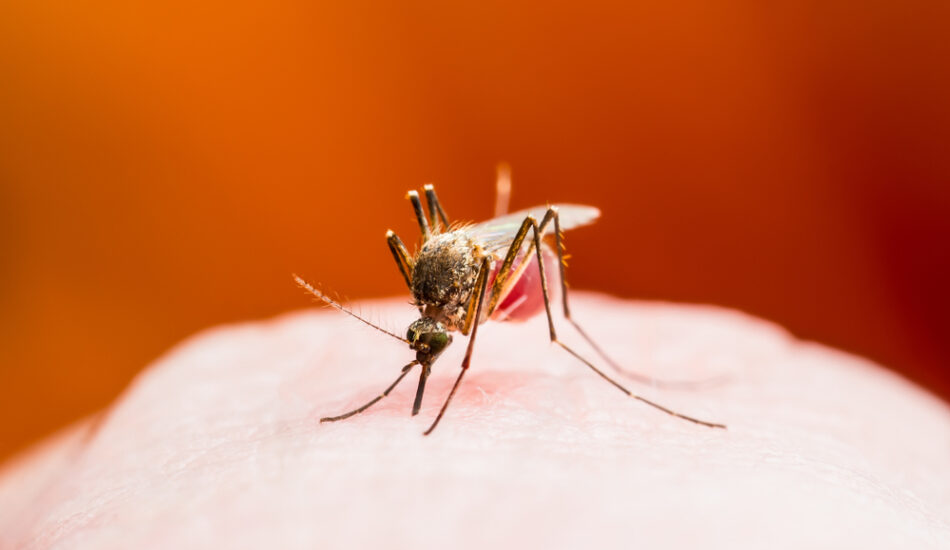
(219, 444)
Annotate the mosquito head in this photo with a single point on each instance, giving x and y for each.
(429, 338)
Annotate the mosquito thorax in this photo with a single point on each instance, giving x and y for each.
(443, 277)
(428, 338)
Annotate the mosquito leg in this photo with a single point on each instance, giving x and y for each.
(547, 307)
(478, 296)
(401, 255)
(503, 279)
(405, 371)
(435, 208)
(639, 377)
(502, 189)
(499, 291)
(504, 272)
(413, 197)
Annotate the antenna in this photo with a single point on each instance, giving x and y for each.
(333, 303)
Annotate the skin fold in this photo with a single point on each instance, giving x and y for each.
(218, 443)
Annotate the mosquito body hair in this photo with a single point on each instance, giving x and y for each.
(336, 305)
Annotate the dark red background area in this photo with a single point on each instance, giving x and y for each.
(166, 166)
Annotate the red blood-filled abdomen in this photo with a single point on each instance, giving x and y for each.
(525, 299)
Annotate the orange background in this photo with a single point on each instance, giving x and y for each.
(165, 166)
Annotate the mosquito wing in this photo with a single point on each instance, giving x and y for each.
(497, 233)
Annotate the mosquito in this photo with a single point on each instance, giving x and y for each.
(465, 274)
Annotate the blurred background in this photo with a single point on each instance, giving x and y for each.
(165, 166)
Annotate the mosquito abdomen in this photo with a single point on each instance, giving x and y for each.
(525, 299)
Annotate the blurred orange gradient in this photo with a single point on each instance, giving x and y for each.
(165, 166)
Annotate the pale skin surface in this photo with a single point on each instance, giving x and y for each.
(218, 445)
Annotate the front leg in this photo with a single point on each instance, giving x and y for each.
(401, 255)
(421, 219)
(478, 296)
(436, 213)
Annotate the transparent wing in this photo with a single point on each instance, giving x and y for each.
(498, 233)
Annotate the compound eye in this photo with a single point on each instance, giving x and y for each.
(436, 341)
(411, 335)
